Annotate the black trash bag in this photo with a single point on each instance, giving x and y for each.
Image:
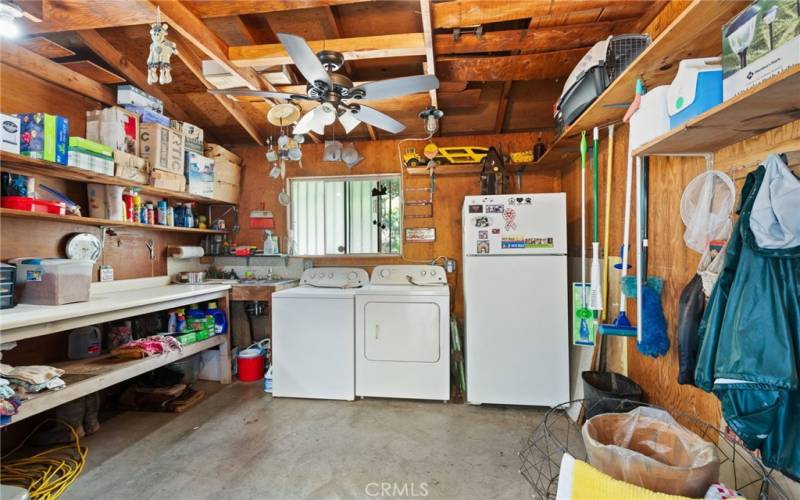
(690, 312)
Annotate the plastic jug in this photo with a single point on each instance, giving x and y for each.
(195, 312)
(220, 319)
(84, 342)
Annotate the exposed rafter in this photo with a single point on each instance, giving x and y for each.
(427, 30)
(100, 46)
(367, 47)
(194, 63)
(50, 71)
(462, 13)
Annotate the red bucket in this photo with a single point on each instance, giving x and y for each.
(250, 365)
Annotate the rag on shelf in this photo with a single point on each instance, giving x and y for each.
(148, 346)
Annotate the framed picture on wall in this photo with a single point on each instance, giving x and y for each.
(420, 234)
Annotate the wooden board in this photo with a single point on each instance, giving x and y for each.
(10, 162)
(474, 12)
(760, 108)
(92, 221)
(45, 48)
(95, 72)
(540, 66)
(91, 375)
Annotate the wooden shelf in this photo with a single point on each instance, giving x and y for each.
(10, 162)
(694, 33)
(91, 221)
(763, 107)
(91, 375)
(462, 169)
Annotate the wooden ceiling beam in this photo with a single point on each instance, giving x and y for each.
(41, 67)
(194, 63)
(71, 15)
(462, 13)
(427, 31)
(647, 17)
(502, 107)
(367, 47)
(114, 58)
(543, 66)
(192, 28)
(533, 40)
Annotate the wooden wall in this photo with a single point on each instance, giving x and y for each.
(381, 157)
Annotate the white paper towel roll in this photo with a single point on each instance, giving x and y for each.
(114, 205)
(97, 201)
(185, 252)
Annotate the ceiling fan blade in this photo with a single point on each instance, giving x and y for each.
(393, 87)
(304, 58)
(348, 121)
(378, 119)
(304, 124)
(258, 93)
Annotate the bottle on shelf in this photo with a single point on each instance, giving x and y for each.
(180, 324)
(539, 148)
(220, 319)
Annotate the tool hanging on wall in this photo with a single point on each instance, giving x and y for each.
(494, 178)
(595, 292)
(421, 202)
(583, 314)
(607, 221)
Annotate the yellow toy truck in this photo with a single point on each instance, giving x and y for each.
(452, 156)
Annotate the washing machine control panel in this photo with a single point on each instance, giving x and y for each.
(409, 274)
(334, 277)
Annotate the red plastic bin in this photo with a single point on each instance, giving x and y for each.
(33, 205)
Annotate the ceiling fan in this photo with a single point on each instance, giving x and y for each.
(336, 93)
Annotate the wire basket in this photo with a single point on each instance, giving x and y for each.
(621, 51)
(557, 434)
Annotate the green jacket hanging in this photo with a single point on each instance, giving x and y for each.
(750, 337)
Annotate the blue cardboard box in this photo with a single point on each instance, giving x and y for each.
(45, 137)
(31, 129)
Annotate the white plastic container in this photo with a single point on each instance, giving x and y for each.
(85, 342)
(651, 119)
(52, 282)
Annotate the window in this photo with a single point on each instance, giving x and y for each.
(345, 215)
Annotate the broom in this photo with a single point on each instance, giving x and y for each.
(651, 333)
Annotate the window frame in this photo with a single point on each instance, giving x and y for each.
(345, 178)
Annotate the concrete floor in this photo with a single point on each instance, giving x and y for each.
(241, 444)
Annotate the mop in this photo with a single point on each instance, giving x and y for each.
(583, 313)
(621, 325)
(651, 331)
(595, 292)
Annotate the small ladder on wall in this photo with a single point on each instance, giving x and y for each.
(412, 199)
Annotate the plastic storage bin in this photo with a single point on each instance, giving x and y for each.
(651, 119)
(697, 87)
(53, 282)
(85, 342)
(33, 205)
(7, 278)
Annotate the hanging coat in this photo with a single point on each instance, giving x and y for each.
(690, 312)
(750, 334)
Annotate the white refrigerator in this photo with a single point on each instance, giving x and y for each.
(515, 294)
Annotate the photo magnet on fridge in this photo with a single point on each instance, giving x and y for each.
(494, 209)
(481, 222)
(483, 235)
(476, 209)
(483, 246)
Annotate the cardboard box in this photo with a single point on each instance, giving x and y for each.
(147, 115)
(131, 168)
(225, 171)
(167, 180)
(44, 136)
(200, 188)
(90, 155)
(162, 147)
(199, 168)
(192, 135)
(215, 151)
(115, 127)
(93, 147)
(128, 94)
(224, 191)
(9, 133)
(760, 42)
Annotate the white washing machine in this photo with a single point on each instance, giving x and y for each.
(403, 334)
(312, 335)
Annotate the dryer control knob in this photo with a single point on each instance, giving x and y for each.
(423, 272)
(384, 273)
(330, 275)
(433, 272)
(352, 276)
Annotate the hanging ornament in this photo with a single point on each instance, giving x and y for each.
(161, 51)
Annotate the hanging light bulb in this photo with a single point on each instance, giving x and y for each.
(9, 12)
(431, 117)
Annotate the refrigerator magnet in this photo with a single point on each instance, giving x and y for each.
(510, 215)
(483, 246)
(476, 209)
(482, 221)
(494, 209)
(483, 234)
